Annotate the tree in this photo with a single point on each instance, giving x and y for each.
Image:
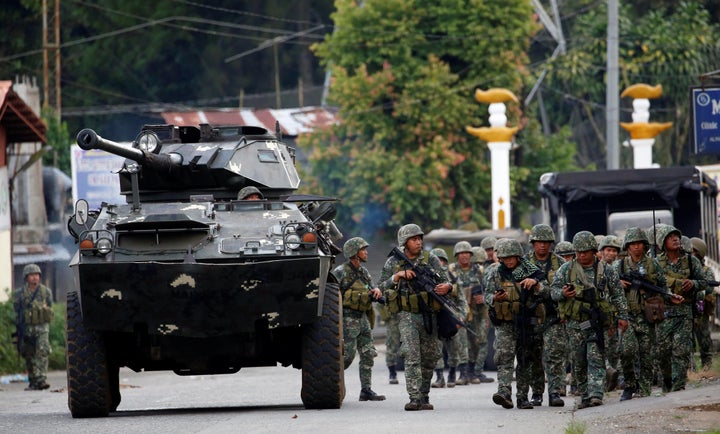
(404, 74)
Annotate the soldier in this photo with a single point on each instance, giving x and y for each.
(586, 290)
(488, 244)
(440, 366)
(609, 249)
(564, 250)
(674, 335)
(418, 327)
(638, 341)
(468, 279)
(554, 339)
(701, 324)
(480, 324)
(511, 293)
(357, 297)
(33, 313)
(250, 193)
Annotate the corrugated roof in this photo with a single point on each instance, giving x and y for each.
(38, 253)
(20, 121)
(293, 121)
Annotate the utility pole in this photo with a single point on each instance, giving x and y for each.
(612, 104)
(51, 57)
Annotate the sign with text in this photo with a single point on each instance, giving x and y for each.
(705, 103)
(95, 178)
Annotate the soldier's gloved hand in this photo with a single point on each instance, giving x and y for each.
(622, 325)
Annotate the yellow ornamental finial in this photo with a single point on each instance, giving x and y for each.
(642, 90)
(645, 130)
(493, 134)
(494, 95)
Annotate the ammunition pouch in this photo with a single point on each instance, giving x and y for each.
(357, 300)
(654, 309)
(505, 310)
(577, 310)
(37, 314)
(393, 301)
(413, 302)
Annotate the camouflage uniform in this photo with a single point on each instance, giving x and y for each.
(638, 342)
(674, 335)
(701, 324)
(554, 344)
(355, 284)
(589, 358)
(612, 353)
(419, 346)
(33, 314)
(505, 316)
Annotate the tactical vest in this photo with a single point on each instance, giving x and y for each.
(407, 298)
(550, 268)
(506, 310)
(636, 300)
(674, 278)
(37, 305)
(578, 308)
(355, 290)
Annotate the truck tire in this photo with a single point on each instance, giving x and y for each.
(323, 373)
(89, 393)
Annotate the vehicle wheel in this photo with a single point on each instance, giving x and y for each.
(323, 374)
(89, 392)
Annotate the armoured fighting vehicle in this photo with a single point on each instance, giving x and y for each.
(186, 277)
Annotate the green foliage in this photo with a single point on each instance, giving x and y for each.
(404, 74)
(59, 140)
(10, 360)
(576, 427)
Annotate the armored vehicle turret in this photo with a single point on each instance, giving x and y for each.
(186, 277)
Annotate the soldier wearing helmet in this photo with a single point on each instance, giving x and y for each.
(549, 346)
(358, 294)
(513, 282)
(674, 335)
(488, 244)
(33, 313)
(250, 193)
(638, 342)
(564, 249)
(610, 247)
(705, 306)
(418, 326)
(479, 256)
(582, 286)
(442, 256)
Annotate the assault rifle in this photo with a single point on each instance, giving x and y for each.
(426, 279)
(638, 281)
(597, 317)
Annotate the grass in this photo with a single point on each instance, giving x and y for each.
(576, 427)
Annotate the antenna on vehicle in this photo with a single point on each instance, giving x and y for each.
(278, 132)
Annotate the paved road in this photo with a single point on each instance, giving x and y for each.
(260, 400)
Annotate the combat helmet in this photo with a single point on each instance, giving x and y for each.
(353, 246)
(479, 255)
(611, 241)
(406, 232)
(686, 244)
(440, 253)
(247, 191)
(564, 248)
(31, 269)
(662, 232)
(488, 243)
(506, 247)
(633, 235)
(699, 245)
(541, 232)
(462, 247)
(584, 241)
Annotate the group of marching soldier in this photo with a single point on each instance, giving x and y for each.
(599, 307)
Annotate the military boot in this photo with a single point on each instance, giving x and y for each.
(413, 405)
(536, 400)
(367, 394)
(440, 381)
(393, 374)
(474, 379)
(611, 379)
(451, 378)
(503, 398)
(555, 400)
(524, 404)
(463, 380)
(425, 404)
(627, 393)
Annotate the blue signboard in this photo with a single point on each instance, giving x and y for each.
(705, 102)
(95, 178)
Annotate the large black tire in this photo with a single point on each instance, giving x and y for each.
(323, 374)
(89, 392)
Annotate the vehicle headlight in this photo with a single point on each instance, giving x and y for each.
(292, 241)
(148, 142)
(104, 246)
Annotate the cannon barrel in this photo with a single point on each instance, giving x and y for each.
(88, 139)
